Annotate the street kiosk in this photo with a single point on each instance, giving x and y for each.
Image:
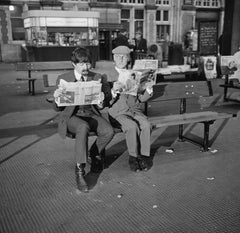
(53, 35)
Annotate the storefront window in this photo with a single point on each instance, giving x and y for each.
(54, 36)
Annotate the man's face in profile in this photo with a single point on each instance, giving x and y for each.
(121, 60)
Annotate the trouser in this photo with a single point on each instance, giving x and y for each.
(137, 130)
(81, 126)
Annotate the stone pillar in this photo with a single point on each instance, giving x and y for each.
(150, 22)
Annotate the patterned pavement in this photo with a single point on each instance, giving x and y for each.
(186, 191)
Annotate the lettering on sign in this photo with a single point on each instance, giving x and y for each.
(208, 36)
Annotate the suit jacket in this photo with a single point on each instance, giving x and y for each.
(68, 111)
(141, 45)
(128, 104)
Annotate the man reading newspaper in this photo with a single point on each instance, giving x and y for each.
(80, 113)
(130, 90)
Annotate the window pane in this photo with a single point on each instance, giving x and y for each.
(163, 32)
(158, 16)
(139, 14)
(125, 24)
(17, 29)
(165, 15)
(138, 26)
(16, 22)
(125, 14)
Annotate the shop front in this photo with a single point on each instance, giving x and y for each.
(53, 35)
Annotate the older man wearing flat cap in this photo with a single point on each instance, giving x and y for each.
(126, 110)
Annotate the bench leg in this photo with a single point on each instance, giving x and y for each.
(225, 88)
(206, 135)
(225, 94)
(205, 144)
(31, 87)
(180, 133)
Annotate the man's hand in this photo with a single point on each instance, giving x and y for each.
(149, 87)
(118, 87)
(59, 92)
(101, 99)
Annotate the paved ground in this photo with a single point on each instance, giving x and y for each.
(185, 191)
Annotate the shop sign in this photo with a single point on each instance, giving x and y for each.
(66, 22)
(208, 35)
(27, 23)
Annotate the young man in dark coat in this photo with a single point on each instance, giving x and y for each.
(80, 120)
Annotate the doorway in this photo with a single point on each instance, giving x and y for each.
(106, 38)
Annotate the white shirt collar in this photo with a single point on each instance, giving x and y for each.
(79, 76)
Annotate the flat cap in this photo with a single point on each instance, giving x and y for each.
(121, 50)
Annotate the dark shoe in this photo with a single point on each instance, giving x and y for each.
(134, 164)
(145, 162)
(96, 164)
(81, 183)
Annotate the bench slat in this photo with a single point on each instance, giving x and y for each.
(187, 118)
(178, 90)
(38, 66)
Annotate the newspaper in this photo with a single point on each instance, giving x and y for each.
(228, 65)
(134, 81)
(79, 93)
(145, 64)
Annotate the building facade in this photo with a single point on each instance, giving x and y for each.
(161, 21)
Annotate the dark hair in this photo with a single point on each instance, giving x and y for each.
(153, 48)
(80, 54)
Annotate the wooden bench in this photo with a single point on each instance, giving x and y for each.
(180, 91)
(183, 91)
(40, 66)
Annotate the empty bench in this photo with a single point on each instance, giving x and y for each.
(40, 66)
(182, 92)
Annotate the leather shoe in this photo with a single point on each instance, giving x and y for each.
(81, 182)
(145, 162)
(96, 164)
(134, 164)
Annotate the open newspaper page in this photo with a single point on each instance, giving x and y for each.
(79, 93)
(134, 81)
